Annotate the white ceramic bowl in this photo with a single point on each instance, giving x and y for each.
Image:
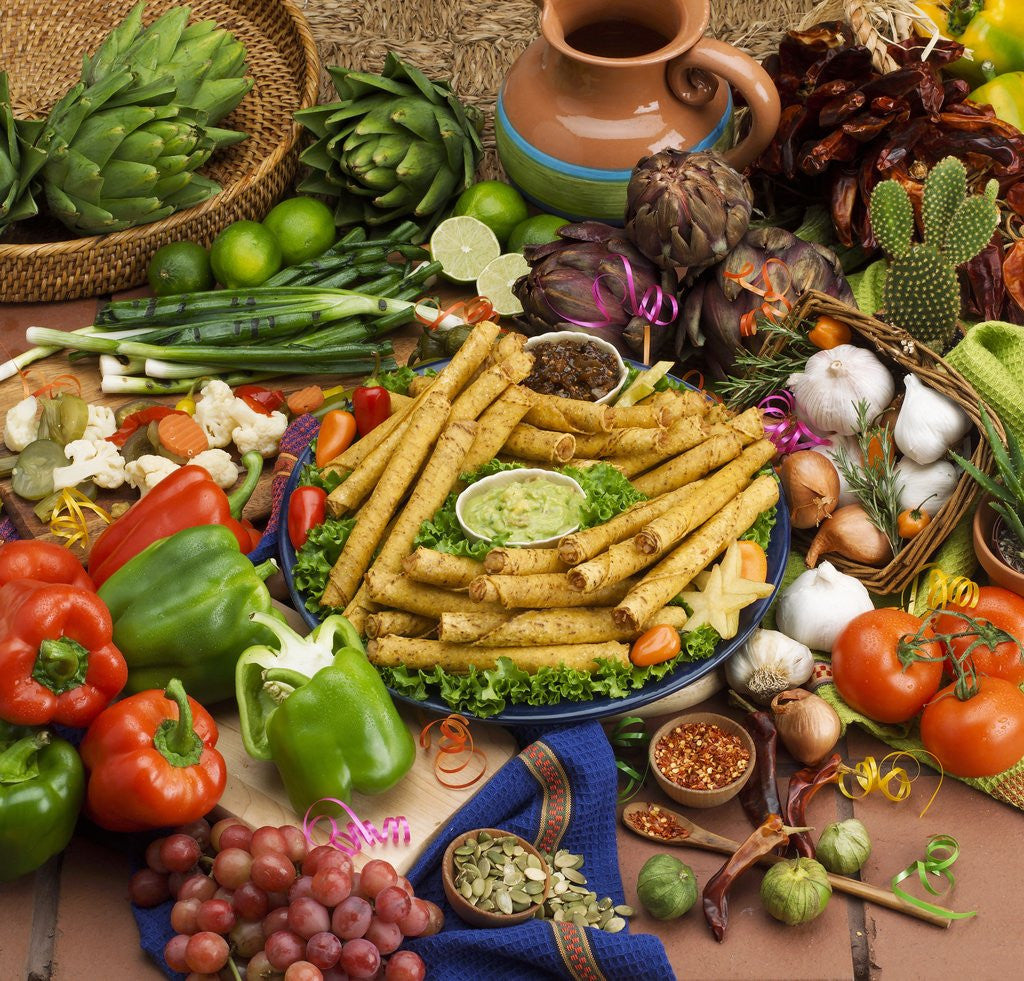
(514, 477)
(574, 337)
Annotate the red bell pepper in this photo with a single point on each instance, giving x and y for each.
(42, 561)
(152, 762)
(185, 499)
(260, 399)
(141, 418)
(58, 662)
(307, 508)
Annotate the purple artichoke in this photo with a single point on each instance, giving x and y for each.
(559, 292)
(717, 301)
(685, 211)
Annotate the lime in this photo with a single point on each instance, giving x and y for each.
(536, 230)
(463, 245)
(245, 254)
(180, 267)
(303, 227)
(497, 204)
(495, 282)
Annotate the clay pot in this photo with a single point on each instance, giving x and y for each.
(998, 571)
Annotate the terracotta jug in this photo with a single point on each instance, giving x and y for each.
(612, 81)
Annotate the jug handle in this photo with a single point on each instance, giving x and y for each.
(746, 76)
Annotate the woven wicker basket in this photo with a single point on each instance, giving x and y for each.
(41, 48)
(899, 350)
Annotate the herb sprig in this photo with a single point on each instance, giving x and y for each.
(756, 376)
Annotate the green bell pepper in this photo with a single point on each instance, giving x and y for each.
(42, 783)
(1005, 94)
(181, 610)
(331, 733)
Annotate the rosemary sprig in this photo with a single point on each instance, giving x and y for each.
(756, 376)
(874, 482)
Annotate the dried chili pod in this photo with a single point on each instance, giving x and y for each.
(1013, 276)
(803, 785)
(760, 794)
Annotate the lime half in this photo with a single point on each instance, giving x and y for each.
(464, 246)
(496, 280)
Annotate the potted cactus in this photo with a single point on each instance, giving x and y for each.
(999, 519)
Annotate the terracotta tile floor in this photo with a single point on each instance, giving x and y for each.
(70, 921)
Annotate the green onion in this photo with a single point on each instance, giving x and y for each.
(133, 385)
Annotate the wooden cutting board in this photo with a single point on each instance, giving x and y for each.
(255, 794)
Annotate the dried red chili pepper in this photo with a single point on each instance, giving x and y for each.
(982, 282)
(760, 794)
(803, 785)
(1013, 274)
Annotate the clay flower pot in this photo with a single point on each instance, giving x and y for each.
(984, 547)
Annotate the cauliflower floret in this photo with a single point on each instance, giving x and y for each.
(147, 471)
(215, 412)
(219, 465)
(20, 425)
(255, 431)
(95, 460)
(101, 423)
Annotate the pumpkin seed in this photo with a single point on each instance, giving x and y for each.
(573, 876)
(466, 890)
(478, 888)
(580, 919)
(533, 888)
(533, 862)
(464, 850)
(518, 896)
(504, 901)
(615, 924)
(484, 867)
(537, 875)
(625, 910)
(605, 919)
(484, 836)
(605, 903)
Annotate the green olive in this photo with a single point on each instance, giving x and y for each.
(137, 445)
(130, 408)
(64, 418)
(32, 477)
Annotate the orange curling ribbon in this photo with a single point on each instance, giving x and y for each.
(456, 740)
(68, 519)
(472, 311)
(894, 785)
(769, 290)
(62, 383)
(698, 383)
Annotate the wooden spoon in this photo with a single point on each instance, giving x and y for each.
(697, 837)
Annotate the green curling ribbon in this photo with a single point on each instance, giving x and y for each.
(940, 854)
(629, 734)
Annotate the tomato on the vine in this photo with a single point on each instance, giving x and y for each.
(1002, 609)
(869, 674)
(978, 736)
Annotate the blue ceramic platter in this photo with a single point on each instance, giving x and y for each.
(596, 708)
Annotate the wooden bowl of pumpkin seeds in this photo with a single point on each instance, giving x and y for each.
(494, 878)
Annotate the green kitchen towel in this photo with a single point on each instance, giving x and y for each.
(991, 358)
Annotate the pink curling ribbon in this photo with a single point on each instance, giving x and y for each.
(648, 306)
(787, 432)
(351, 840)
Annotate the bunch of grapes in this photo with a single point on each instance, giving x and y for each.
(293, 913)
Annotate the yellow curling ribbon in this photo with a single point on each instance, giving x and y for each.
(940, 854)
(68, 518)
(894, 785)
(946, 590)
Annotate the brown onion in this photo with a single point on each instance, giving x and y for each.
(808, 726)
(852, 534)
(812, 487)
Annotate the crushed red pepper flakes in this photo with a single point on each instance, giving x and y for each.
(654, 821)
(701, 756)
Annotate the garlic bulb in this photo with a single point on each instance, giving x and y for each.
(769, 662)
(833, 382)
(929, 423)
(846, 496)
(927, 487)
(818, 604)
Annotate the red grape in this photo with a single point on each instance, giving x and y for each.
(303, 971)
(216, 915)
(228, 895)
(416, 920)
(179, 852)
(335, 974)
(202, 976)
(296, 845)
(259, 968)
(323, 950)
(392, 904)
(176, 880)
(197, 886)
(360, 959)
(272, 871)
(376, 875)
(232, 867)
(405, 966)
(250, 901)
(276, 919)
(174, 952)
(267, 839)
(218, 829)
(236, 836)
(386, 937)
(406, 885)
(206, 952)
(276, 899)
(436, 915)
(323, 856)
(198, 829)
(284, 948)
(331, 885)
(301, 888)
(183, 915)
(153, 859)
(307, 917)
(247, 938)
(149, 888)
(351, 917)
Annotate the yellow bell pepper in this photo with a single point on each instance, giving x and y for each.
(1005, 94)
(992, 30)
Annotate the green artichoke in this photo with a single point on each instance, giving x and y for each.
(16, 201)
(687, 210)
(396, 145)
